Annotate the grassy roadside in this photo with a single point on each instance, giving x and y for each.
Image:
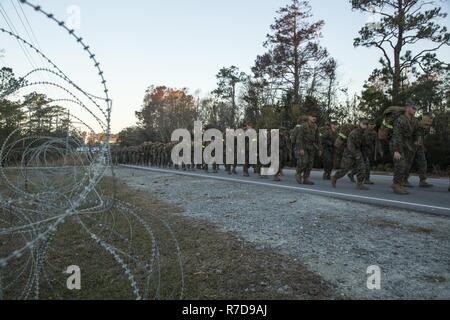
(216, 265)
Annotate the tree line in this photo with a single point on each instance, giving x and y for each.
(296, 75)
(34, 113)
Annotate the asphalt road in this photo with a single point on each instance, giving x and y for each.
(434, 200)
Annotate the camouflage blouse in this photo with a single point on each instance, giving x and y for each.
(306, 137)
(355, 143)
(405, 134)
(328, 138)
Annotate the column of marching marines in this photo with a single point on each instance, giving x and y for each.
(349, 149)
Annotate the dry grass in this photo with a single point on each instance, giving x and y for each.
(216, 265)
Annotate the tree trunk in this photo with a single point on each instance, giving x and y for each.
(233, 104)
(396, 81)
(296, 89)
(330, 88)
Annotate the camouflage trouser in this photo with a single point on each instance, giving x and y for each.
(283, 162)
(350, 162)
(328, 160)
(420, 160)
(402, 167)
(338, 155)
(247, 165)
(305, 163)
(367, 169)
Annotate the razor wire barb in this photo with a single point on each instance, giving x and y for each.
(48, 182)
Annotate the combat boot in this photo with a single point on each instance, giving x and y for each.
(333, 181)
(424, 184)
(245, 170)
(361, 186)
(307, 182)
(326, 176)
(406, 184)
(351, 177)
(299, 179)
(276, 178)
(398, 189)
(369, 182)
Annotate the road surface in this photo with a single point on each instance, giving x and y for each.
(434, 200)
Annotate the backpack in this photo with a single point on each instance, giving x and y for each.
(343, 133)
(390, 115)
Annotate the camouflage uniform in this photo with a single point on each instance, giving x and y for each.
(419, 158)
(341, 143)
(370, 140)
(294, 156)
(231, 169)
(353, 157)
(403, 140)
(328, 138)
(268, 137)
(246, 165)
(306, 138)
(284, 152)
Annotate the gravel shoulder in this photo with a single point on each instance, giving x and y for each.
(335, 239)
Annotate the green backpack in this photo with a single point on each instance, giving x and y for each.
(390, 115)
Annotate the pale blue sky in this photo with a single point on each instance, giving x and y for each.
(181, 43)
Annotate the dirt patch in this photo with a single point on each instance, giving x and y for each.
(215, 264)
(422, 230)
(336, 239)
(388, 224)
(220, 265)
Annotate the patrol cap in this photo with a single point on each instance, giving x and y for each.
(302, 119)
(364, 121)
(411, 104)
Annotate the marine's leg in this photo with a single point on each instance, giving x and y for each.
(401, 169)
(345, 166)
(308, 166)
(361, 169)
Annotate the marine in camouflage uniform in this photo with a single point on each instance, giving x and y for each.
(404, 137)
(353, 157)
(231, 168)
(307, 141)
(419, 158)
(328, 138)
(370, 142)
(268, 137)
(246, 165)
(284, 152)
(341, 143)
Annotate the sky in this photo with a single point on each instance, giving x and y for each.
(177, 43)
